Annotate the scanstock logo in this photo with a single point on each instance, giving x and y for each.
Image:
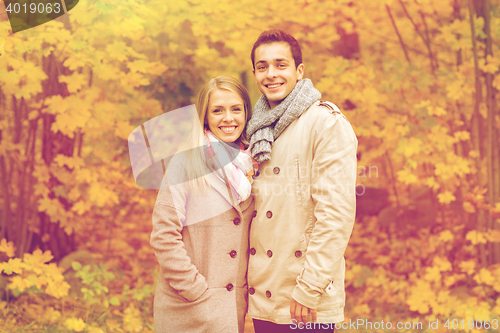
(26, 14)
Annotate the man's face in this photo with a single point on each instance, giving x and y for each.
(275, 71)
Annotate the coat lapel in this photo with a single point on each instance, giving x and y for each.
(225, 191)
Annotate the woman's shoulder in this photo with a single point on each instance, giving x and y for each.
(176, 169)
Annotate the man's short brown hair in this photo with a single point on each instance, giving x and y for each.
(278, 36)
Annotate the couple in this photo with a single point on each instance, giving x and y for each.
(233, 236)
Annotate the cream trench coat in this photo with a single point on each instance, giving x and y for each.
(201, 242)
(306, 202)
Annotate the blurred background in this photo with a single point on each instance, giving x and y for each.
(418, 80)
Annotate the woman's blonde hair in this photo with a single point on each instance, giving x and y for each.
(196, 167)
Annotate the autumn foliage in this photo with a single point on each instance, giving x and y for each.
(418, 80)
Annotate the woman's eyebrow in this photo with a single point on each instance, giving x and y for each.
(221, 106)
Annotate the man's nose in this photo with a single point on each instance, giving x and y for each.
(272, 72)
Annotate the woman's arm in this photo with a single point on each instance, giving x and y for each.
(176, 267)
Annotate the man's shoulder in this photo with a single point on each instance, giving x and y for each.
(322, 110)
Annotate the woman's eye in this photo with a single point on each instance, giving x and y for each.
(216, 111)
(237, 109)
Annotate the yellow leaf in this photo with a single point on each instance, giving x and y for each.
(73, 82)
(433, 274)
(123, 129)
(485, 276)
(473, 154)
(407, 176)
(468, 207)
(462, 135)
(446, 197)
(7, 247)
(51, 315)
(442, 263)
(475, 237)
(75, 324)
(446, 236)
(436, 111)
(19, 283)
(14, 265)
(493, 235)
(423, 104)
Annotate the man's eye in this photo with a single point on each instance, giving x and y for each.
(281, 65)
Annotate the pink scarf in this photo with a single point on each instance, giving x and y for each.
(232, 164)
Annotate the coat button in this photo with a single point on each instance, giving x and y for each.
(269, 214)
(269, 253)
(236, 221)
(276, 170)
(268, 294)
(252, 251)
(298, 254)
(254, 213)
(229, 287)
(251, 291)
(233, 254)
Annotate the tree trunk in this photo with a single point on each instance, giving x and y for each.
(476, 128)
(493, 190)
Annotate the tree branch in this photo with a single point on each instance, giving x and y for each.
(426, 42)
(397, 32)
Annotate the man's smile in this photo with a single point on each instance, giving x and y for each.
(274, 85)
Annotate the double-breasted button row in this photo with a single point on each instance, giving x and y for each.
(233, 254)
(236, 221)
(298, 254)
(251, 291)
(229, 287)
(269, 214)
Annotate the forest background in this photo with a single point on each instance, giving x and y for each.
(418, 80)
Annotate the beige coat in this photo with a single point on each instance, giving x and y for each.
(201, 242)
(306, 202)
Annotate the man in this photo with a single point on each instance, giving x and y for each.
(304, 196)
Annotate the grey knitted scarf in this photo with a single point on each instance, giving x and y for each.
(267, 124)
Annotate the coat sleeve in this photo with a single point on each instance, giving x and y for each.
(166, 239)
(333, 183)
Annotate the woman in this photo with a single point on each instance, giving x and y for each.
(201, 219)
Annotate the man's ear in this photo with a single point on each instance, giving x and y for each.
(300, 72)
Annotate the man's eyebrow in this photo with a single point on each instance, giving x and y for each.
(277, 60)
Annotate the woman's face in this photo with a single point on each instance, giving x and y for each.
(225, 115)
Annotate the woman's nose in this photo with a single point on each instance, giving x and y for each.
(228, 116)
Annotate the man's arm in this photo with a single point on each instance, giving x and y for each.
(333, 181)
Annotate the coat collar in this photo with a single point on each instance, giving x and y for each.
(225, 191)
